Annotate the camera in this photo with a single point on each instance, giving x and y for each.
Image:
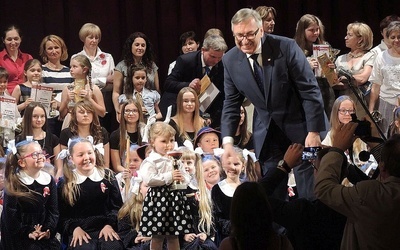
(364, 127)
(310, 153)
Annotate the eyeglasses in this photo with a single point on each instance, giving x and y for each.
(34, 155)
(346, 111)
(249, 36)
(131, 111)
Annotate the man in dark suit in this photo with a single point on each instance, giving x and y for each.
(288, 106)
(189, 70)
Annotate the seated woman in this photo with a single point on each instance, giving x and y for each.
(85, 122)
(131, 124)
(187, 120)
(344, 107)
(88, 199)
(35, 125)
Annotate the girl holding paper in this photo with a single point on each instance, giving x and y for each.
(22, 92)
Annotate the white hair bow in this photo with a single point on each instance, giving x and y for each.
(99, 146)
(64, 153)
(136, 184)
(168, 115)
(218, 152)
(11, 146)
(247, 153)
(150, 121)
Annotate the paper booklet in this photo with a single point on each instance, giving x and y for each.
(321, 53)
(8, 109)
(208, 93)
(43, 94)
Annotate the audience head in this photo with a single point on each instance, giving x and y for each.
(83, 114)
(309, 30)
(393, 32)
(12, 38)
(247, 29)
(138, 46)
(134, 159)
(162, 137)
(251, 229)
(213, 49)
(390, 157)
(362, 34)
(53, 47)
(213, 32)
(207, 139)
(384, 24)
(28, 157)
(136, 79)
(268, 16)
(189, 42)
(33, 70)
(131, 112)
(342, 109)
(3, 80)
(187, 101)
(90, 30)
(212, 170)
(395, 127)
(34, 117)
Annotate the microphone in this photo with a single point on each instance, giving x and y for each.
(364, 155)
(344, 72)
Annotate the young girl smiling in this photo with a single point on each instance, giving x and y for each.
(30, 212)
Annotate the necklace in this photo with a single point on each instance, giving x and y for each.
(352, 55)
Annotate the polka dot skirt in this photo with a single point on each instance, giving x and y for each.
(165, 212)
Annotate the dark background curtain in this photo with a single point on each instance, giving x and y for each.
(164, 20)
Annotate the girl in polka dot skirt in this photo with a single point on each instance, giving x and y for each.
(166, 212)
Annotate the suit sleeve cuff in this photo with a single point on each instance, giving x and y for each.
(227, 139)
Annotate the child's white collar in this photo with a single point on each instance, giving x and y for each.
(95, 176)
(43, 178)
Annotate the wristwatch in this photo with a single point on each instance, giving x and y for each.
(284, 165)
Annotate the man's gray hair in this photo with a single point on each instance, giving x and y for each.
(246, 14)
(216, 43)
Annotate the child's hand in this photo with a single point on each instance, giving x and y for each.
(177, 175)
(28, 101)
(202, 237)
(34, 235)
(140, 239)
(189, 237)
(108, 233)
(78, 236)
(85, 93)
(126, 174)
(293, 154)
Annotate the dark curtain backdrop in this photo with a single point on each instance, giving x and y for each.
(164, 20)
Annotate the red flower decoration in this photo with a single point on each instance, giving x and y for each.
(102, 56)
(103, 187)
(103, 62)
(46, 191)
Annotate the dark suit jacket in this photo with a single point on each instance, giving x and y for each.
(187, 68)
(292, 97)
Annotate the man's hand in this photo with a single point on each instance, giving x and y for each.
(228, 152)
(293, 154)
(196, 85)
(344, 136)
(313, 140)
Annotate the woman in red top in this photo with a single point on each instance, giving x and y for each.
(11, 57)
